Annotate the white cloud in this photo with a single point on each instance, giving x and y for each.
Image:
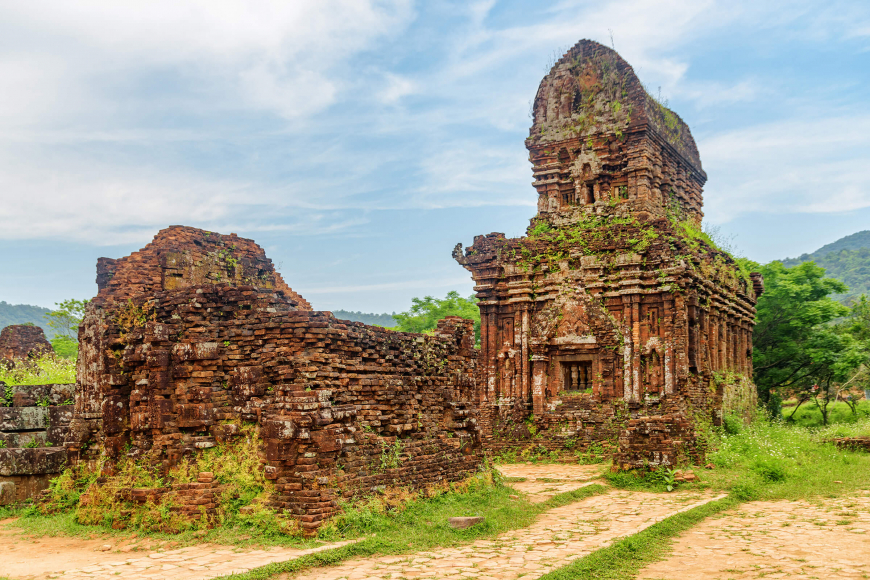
(814, 165)
(396, 88)
(275, 55)
(106, 205)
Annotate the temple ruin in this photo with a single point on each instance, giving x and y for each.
(197, 334)
(22, 342)
(615, 326)
(613, 320)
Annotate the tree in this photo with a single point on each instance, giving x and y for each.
(795, 343)
(836, 356)
(66, 319)
(426, 312)
(65, 322)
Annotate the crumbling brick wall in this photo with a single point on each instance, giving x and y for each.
(173, 366)
(22, 341)
(614, 307)
(34, 423)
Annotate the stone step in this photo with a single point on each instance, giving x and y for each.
(17, 439)
(54, 394)
(34, 418)
(23, 418)
(32, 461)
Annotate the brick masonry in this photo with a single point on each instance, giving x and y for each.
(32, 432)
(22, 341)
(611, 321)
(196, 332)
(853, 443)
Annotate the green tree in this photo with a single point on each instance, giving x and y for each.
(65, 321)
(426, 312)
(835, 357)
(794, 343)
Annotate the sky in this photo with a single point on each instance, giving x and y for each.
(358, 141)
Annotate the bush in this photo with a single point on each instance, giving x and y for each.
(65, 347)
(732, 425)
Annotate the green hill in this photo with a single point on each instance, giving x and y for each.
(20, 313)
(368, 318)
(847, 260)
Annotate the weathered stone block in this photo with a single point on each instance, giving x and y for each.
(35, 461)
(23, 418)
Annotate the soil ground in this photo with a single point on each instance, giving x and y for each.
(761, 539)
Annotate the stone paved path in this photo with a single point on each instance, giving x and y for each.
(191, 563)
(24, 556)
(556, 538)
(799, 540)
(545, 481)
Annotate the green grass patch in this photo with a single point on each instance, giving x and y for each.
(771, 460)
(839, 413)
(65, 524)
(422, 525)
(627, 557)
(46, 370)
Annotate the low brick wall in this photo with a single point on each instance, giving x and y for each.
(32, 433)
(853, 443)
(657, 441)
(22, 341)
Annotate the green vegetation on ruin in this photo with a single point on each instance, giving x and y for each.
(606, 237)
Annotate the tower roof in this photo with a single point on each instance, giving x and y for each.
(592, 90)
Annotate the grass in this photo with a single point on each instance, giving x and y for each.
(624, 559)
(422, 525)
(839, 413)
(417, 522)
(65, 524)
(46, 370)
(768, 460)
(773, 460)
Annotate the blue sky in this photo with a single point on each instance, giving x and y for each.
(359, 140)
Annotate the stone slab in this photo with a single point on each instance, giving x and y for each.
(23, 418)
(34, 461)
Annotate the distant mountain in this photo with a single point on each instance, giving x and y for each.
(20, 313)
(847, 260)
(367, 318)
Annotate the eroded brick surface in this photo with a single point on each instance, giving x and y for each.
(192, 335)
(32, 432)
(22, 341)
(608, 323)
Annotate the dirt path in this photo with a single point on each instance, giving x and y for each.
(28, 557)
(556, 534)
(829, 539)
(555, 539)
(800, 540)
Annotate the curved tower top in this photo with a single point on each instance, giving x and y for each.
(599, 139)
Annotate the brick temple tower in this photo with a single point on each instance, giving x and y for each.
(614, 317)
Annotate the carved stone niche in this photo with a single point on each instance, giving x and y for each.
(574, 372)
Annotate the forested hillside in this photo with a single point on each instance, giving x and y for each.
(847, 260)
(21, 313)
(368, 318)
